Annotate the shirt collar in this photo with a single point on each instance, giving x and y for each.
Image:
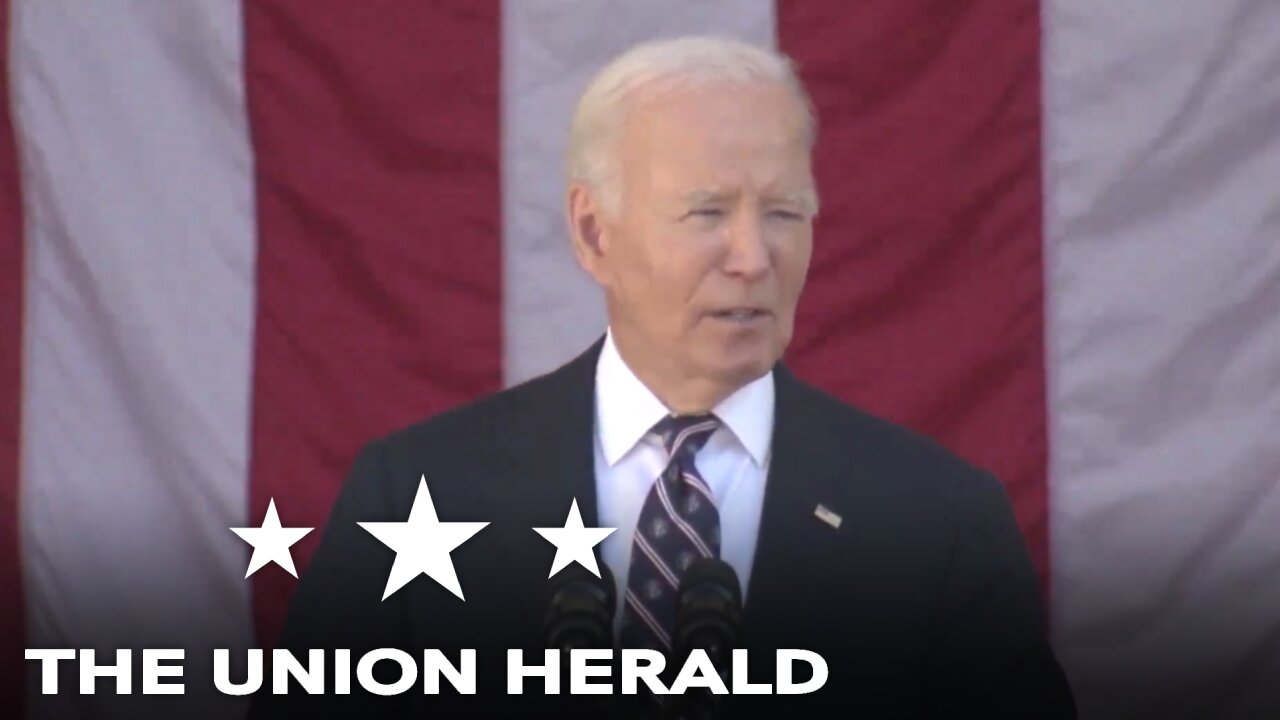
(626, 409)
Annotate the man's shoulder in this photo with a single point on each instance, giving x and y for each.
(912, 482)
(883, 447)
(489, 418)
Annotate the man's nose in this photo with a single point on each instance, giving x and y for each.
(748, 255)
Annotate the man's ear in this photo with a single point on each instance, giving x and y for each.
(587, 230)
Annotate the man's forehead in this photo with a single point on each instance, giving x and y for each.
(793, 191)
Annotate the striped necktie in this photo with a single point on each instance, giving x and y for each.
(678, 523)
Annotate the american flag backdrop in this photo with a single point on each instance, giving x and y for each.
(240, 239)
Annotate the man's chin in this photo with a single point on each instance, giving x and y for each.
(744, 369)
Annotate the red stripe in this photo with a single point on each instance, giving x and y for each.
(376, 138)
(926, 294)
(12, 616)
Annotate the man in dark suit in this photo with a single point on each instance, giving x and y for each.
(691, 201)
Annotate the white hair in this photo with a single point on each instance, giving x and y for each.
(676, 62)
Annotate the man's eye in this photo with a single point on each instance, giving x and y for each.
(785, 215)
(707, 212)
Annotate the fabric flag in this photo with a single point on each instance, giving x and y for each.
(238, 240)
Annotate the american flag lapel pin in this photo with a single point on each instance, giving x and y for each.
(824, 514)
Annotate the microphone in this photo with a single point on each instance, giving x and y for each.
(580, 609)
(708, 618)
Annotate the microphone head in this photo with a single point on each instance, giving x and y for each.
(712, 575)
(708, 611)
(580, 608)
(575, 580)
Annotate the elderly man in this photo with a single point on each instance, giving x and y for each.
(691, 202)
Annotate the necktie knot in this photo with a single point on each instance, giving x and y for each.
(686, 434)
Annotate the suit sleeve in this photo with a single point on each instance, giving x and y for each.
(992, 656)
(337, 603)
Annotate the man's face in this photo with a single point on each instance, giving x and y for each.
(705, 260)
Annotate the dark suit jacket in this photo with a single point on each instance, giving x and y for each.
(923, 602)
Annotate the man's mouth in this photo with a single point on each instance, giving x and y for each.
(741, 314)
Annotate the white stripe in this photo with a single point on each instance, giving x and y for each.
(553, 310)
(643, 613)
(688, 530)
(689, 431)
(138, 199)
(660, 566)
(1163, 272)
(700, 485)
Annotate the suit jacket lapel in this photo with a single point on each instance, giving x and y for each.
(552, 445)
(801, 513)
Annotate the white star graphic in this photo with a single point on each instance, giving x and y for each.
(574, 542)
(271, 542)
(422, 544)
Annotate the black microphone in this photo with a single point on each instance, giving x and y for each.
(580, 609)
(708, 618)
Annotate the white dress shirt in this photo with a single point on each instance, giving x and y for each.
(629, 458)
